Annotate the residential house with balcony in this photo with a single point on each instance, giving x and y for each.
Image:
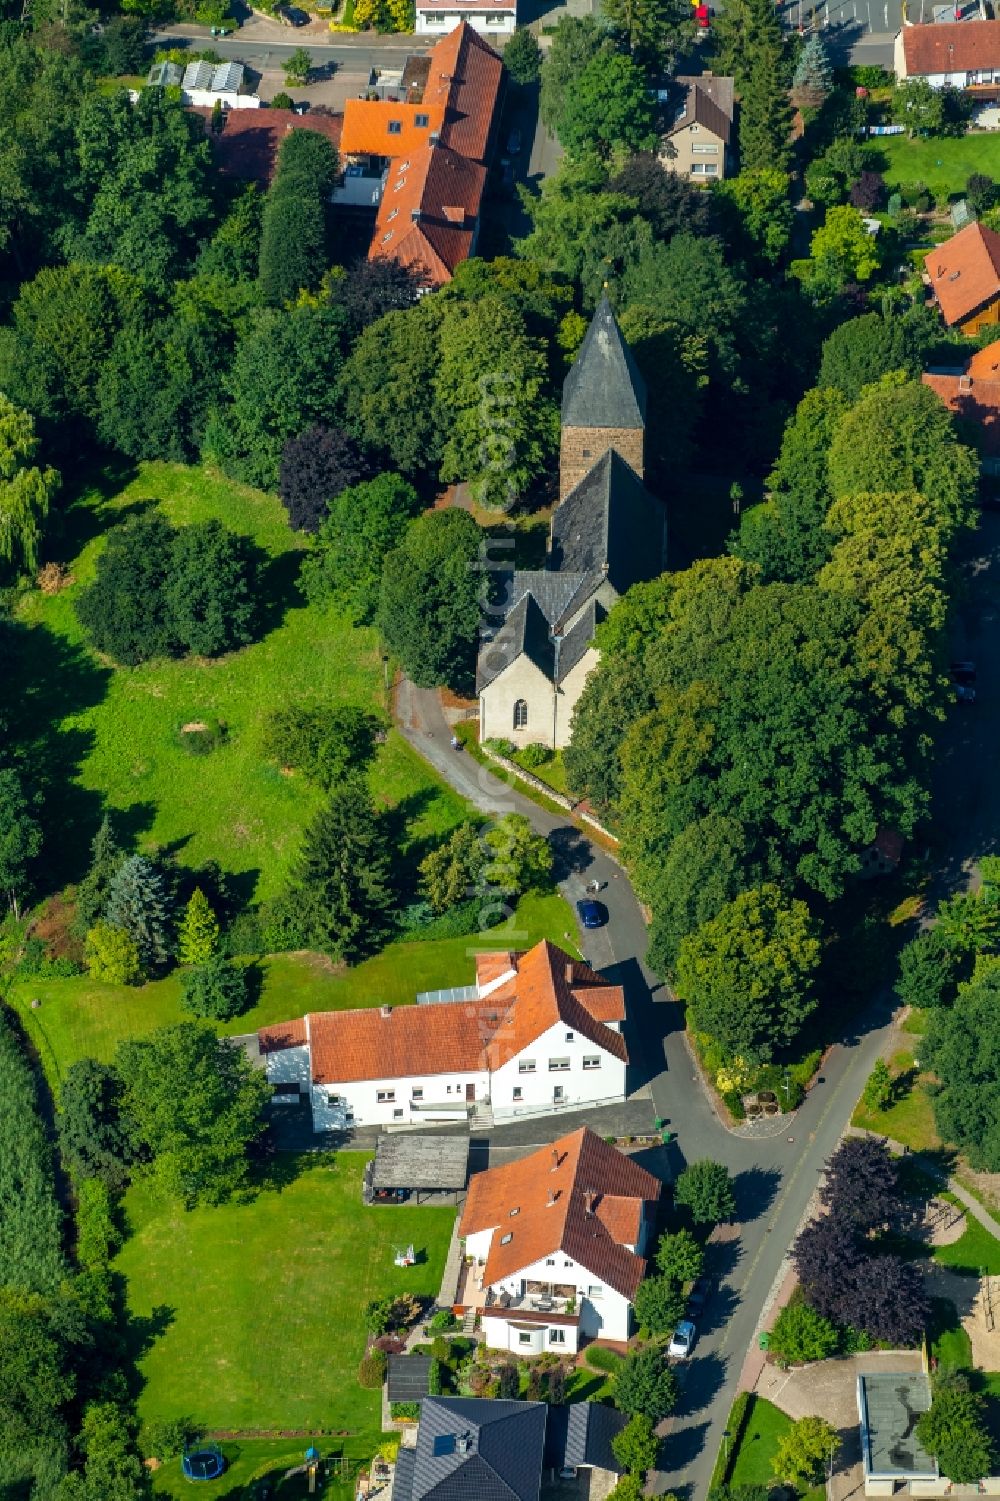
(557, 1243)
(537, 1033)
(491, 17)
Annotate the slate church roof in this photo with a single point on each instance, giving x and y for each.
(604, 387)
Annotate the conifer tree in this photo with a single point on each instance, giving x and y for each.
(92, 892)
(813, 73)
(342, 895)
(137, 902)
(199, 934)
(765, 114)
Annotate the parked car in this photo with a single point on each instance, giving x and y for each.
(963, 672)
(513, 143)
(291, 15)
(699, 1295)
(592, 914)
(965, 693)
(507, 174)
(682, 1340)
(301, 108)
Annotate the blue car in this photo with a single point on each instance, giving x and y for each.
(592, 914)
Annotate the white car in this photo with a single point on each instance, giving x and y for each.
(682, 1340)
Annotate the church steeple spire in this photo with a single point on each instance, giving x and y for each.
(604, 402)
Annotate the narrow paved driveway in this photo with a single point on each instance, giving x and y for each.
(775, 1176)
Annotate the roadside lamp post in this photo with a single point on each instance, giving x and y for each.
(726, 1437)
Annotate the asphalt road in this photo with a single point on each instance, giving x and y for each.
(775, 1176)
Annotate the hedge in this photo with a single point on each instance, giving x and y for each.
(31, 1252)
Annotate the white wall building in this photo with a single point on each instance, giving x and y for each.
(965, 54)
(491, 17)
(557, 1242)
(537, 1033)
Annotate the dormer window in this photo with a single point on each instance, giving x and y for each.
(505, 1240)
(400, 183)
(515, 1210)
(387, 237)
(391, 215)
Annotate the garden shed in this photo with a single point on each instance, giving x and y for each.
(427, 1168)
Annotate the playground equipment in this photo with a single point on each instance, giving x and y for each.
(405, 1258)
(206, 1463)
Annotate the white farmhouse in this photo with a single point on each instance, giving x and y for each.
(538, 1032)
(494, 18)
(557, 1242)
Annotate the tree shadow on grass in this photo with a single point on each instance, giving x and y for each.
(277, 590)
(141, 1333)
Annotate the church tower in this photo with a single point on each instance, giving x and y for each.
(604, 403)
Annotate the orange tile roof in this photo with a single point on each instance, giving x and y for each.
(491, 966)
(542, 994)
(965, 271)
(579, 1196)
(283, 1035)
(427, 217)
(366, 129)
(457, 106)
(456, 1036)
(974, 394)
(951, 47)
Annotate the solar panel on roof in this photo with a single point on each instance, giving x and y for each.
(444, 1443)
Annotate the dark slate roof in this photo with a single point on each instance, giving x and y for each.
(409, 1377)
(586, 1434)
(554, 593)
(470, 1449)
(609, 524)
(574, 644)
(524, 630)
(604, 387)
(402, 1481)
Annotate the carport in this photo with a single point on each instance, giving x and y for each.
(430, 1169)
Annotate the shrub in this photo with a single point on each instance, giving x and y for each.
(111, 955)
(216, 990)
(601, 1359)
(378, 1314)
(96, 1242)
(440, 1350)
(880, 1089)
(371, 1371)
(405, 1409)
(443, 1319)
(435, 1385)
(390, 1344)
(169, 1438)
(501, 747)
(282, 101)
(800, 1334)
(535, 754)
(324, 742)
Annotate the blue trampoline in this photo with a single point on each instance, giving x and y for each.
(203, 1464)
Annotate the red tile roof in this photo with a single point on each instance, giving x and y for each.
(457, 104)
(247, 146)
(427, 217)
(964, 272)
(459, 1036)
(579, 1196)
(951, 47)
(283, 1035)
(973, 394)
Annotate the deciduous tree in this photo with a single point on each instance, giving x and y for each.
(680, 1256)
(293, 245)
(522, 56)
(706, 1190)
(954, 1431)
(962, 1046)
(607, 108)
(518, 859)
(195, 1105)
(804, 1451)
(215, 989)
(324, 742)
(112, 955)
(25, 489)
(659, 1304)
(212, 588)
(800, 1334)
(637, 1447)
(452, 873)
(20, 839)
(575, 41)
(862, 1183)
(431, 599)
(645, 1384)
(364, 523)
(747, 974)
(315, 467)
(931, 968)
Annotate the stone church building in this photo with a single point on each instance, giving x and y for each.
(606, 534)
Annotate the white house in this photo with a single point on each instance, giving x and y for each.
(557, 1242)
(965, 54)
(537, 1032)
(491, 17)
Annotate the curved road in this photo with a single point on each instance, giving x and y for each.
(775, 1177)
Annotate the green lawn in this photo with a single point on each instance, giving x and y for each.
(252, 1463)
(758, 1444)
(115, 731)
(911, 1119)
(944, 165)
(950, 1344)
(551, 772)
(250, 1315)
(79, 1018)
(975, 1249)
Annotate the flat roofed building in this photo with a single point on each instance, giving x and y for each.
(889, 1405)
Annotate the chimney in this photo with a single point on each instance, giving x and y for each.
(569, 971)
(463, 1443)
(555, 1160)
(588, 1200)
(454, 213)
(415, 215)
(385, 1012)
(552, 1198)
